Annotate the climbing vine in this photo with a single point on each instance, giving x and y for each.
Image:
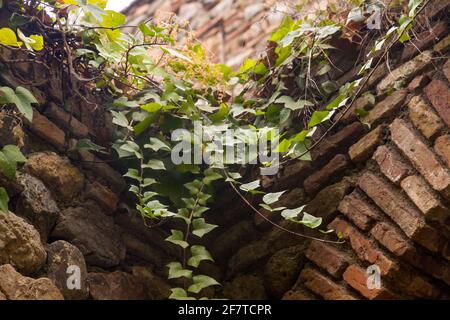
(172, 106)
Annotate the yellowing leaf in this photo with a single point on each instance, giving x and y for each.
(9, 38)
(38, 44)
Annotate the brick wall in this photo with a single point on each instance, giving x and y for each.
(231, 30)
(383, 185)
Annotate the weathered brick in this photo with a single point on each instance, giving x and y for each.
(66, 121)
(328, 258)
(103, 195)
(424, 40)
(392, 239)
(340, 141)
(419, 192)
(322, 177)
(356, 277)
(391, 164)
(386, 108)
(293, 174)
(48, 131)
(439, 95)
(364, 148)
(421, 156)
(323, 286)
(423, 117)
(406, 71)
(404, 214)
(419, 82)
(446, 69)
(362, 103)
(359, 211)
(442, 147)
(443, 46)
(363, 247)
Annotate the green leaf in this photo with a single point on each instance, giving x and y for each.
(272, 197)
(155, 144)
(113, 19)
(200, 282)
(120, 119)
(87, 144)
(310, 221)
(7, 167)
(250, 186)
(318, 117)
(154, 164)
(200, 227)
(22, 98)
(4, 199)
(293, 105)
(133, 174)
(291, 213)
(199, 254)
(179, 294)
(14, 154)
(151, 107)
(176, 271)
(177, 238)
(210, 176)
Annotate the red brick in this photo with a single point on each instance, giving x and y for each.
(447, 69)
(328, 258)
(424, 40)
(364, 148)
(391, 164)
(419, 192)
(386, 108)
(103, 195)
(356, 277)
(392, 239)
(419, 82)
(293, 174)
(48, 131)
(418, 286)
(325, 175)
(405, 72)
(442, 46)
(421, 156)
(439, 95)
(323, 286)
(404, 214)
(359, 211)
(442, 148)
(423, 118)
(66, 121)
(340, 141)
(363, 247)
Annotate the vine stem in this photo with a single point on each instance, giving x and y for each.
(360, 89)
(273, 223)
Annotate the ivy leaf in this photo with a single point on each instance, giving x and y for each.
(38, 44)
(13, 154)
(318, 117)
(89, 145)
(200, 282)
(291, 213)
(151, 107)
(250, 186)
(112, 19)
(7, 167)
(9, 38)
(4, 199)
(133, 174)
(199, 254)
(210, 176)
(200, 227)
(179, 294)
(121, 120)
(293, 105)
(272, 197)
(177, 238)
(155, 144)
(154, 164)
(310, 221)
(176, 271)
(22, 98)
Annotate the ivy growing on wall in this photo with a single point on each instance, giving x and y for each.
(158, 86)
